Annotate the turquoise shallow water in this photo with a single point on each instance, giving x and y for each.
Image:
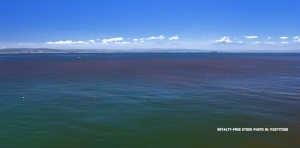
(174, 116)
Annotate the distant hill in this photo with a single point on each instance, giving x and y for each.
(48, 50)
(31, 50)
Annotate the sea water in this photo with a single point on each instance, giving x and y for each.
(149, 100)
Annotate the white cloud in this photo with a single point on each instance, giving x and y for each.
(91, 41)
(79, 42)
(66, 42)
(155, 38)
(70, 42)
(251, 37)
(296, 37)
(256, 42)
(62, 42)
(161, 37)
(224, 39)
(297, 40)
(269, 38)
(106, 41)
(176, 42)
(284, 42)
(135, 40)
(174, 38)
(122, 42)
(269, 42)
(25, 43)
(283, 37)
(97, 39)
(142, 41)
(235, 39)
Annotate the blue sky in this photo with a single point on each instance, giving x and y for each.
(236, 25)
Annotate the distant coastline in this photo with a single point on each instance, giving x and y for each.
(49, 50)
(133, 50)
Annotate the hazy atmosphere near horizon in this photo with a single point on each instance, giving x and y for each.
(149, 73)
(217, 25)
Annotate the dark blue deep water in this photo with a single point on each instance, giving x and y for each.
(149, 100)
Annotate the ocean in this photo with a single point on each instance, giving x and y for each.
(154, 100)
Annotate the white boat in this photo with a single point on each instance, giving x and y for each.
(78, 57)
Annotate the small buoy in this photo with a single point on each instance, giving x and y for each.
(243, 91)
(262, 91)
(299, 88)
(95, 98)
(67, 98)
(23, 98)
(148, 97)
(198, 95)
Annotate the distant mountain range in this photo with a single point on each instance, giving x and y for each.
(48, 50)
(44, 50)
